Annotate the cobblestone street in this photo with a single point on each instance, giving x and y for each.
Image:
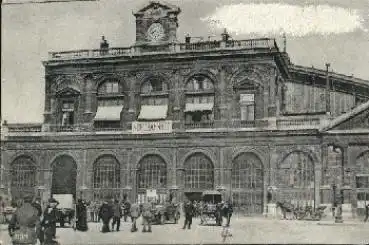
(244, 230)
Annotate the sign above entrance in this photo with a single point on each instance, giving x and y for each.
(156, 127)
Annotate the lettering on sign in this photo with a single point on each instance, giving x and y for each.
(157, 127)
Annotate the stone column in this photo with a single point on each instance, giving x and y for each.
(180, 174)
(48, 184)
(272, 93)
(270, 180)
(346, 206)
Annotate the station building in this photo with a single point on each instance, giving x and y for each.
(177, 117)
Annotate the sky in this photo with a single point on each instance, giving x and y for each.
(318, 31)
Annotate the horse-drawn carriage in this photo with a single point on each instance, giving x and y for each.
(66, 209)
(307, 212)
(211, 210)
(163, 213)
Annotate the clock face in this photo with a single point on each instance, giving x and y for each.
(155, 32)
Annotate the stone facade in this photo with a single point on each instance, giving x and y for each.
(279, 148)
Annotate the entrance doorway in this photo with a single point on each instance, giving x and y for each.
(193, 196)
(64, 176)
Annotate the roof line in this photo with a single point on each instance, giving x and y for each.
(332, 74)
(344, 117)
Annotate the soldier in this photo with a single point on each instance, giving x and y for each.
(49, 222)
(22, 226)
(135, 213)
(146, 216)
(189, 212)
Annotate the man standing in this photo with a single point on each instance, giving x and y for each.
(40, 233)
(147, 216)
(49, 221)
(189, 212)
(117, 214)
(228, 211)
(22, 226)
(366, 213)
(135, 213)
(126, 209)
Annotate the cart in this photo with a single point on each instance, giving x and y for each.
(66, 210)
(211, 211)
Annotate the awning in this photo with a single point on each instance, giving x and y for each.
(199, 107)
(108, 113)
(153, 112)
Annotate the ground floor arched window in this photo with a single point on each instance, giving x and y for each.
(106, 178)
(23, 177)
(152, 175)
(247, 184)
(199, 173)
(295, 179)
(64, 175)
(362, 182)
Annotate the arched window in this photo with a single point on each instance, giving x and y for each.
(106, 177)
(23, 177)
(110, 101)
(152, 173)
(154, 99)
(247, 183)
(247, 172)
(68, 103)
(199, 101)
(295, 178)
(199, 172)
(362, 182)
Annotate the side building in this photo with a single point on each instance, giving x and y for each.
(230, 115)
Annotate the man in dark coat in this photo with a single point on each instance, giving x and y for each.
(147, 216)
(135, 213)
(40, 233)
(22, 226)
(105, 214)
(81, 216)
(366, 213)
(228, 211)
(117, 214)
(49, 221)
(189, 211)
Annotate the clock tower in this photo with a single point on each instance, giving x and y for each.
(156, 23)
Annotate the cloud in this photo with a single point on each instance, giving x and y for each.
(266, 19)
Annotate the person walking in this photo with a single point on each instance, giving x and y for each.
(22, 225)
(189, 212)
(135, 213)
(228, 211)
(146, 216)
(117, 214)
(81, 210)
(40, 233)
(366, 213)
(105, 214)
(126, 209)
(49, 221)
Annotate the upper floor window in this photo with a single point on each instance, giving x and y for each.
(154, 99)
(67, 113)
(154, 85)
(109, 87)
(199, 100)
(199, 84)
(247, 106)
(109, 105)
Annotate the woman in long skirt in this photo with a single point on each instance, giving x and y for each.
(81, 216)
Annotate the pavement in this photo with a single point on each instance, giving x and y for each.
(243, 230)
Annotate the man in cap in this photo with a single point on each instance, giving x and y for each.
(49, 221)
(189, 211)
(37, 204)
(147, 216)
(135, 213)
(22, 226)
(105, 214)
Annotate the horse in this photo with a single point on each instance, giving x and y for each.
(287, 208)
